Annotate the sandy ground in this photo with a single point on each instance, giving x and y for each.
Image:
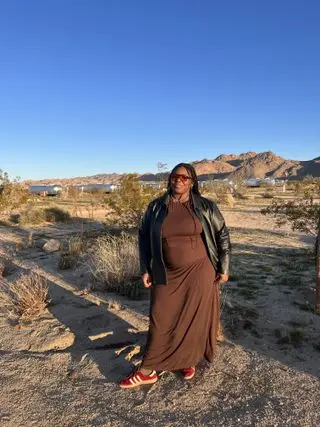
(63, 368)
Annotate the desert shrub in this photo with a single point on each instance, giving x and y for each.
(128, 203)
(113, 260)
(55, 214)
(241, 195)
(294, 336)
(67, 261)
(220, 193)
(308, 187)
(33, 215)
(26, 297)
(70, 256)
(75, 245)
(269, 194)
(240, 190)
(12, 194)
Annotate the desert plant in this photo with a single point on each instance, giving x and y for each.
(33, 215)
(114, 260)
(70, 256)
(303, 215)
(308, 187)
(73, 194)
(294, 336)
(94, 200)
(26, 297)
(240, 189)
(220, 193)
(12, 194)
(269, 194)
(56, 214)
(129, 202)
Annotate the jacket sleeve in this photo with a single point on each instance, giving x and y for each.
(144, 243)
(223, 240)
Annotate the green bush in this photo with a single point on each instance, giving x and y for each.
(127, 205)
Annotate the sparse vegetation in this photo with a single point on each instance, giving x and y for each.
(70, 256)
(294, 335)
(269, 194)
(114, 261)
(56, 214)
(303, 215)
(27, 297)
(34, 215)
(129, 202)
(220, 193)
(12, 194)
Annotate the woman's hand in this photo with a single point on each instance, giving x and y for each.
(146, 280)
(221, 279)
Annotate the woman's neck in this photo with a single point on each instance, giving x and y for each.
(181, 197)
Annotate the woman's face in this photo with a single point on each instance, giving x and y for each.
(181, 181)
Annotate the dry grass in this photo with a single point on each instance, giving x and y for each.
(114, 260)
(75, 245)
(220, 193)
(33, 215)
(27, 297)
(69, 258)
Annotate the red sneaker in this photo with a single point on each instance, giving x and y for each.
(188, 373)
(138, 378)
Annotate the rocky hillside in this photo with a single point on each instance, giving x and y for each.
(233, 166)
(251, 164)
(103, 178)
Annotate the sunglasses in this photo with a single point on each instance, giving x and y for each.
(183, 178)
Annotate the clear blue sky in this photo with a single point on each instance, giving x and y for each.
(117, 85)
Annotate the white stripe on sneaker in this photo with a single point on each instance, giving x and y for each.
(135, 379)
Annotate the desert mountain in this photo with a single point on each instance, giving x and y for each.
(232, 166)
(259, 165)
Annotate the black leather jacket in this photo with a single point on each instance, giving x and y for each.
(215, 236)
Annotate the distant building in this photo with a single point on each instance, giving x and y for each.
(45, 190)
(256, 182)
(91, 188)
(153, 184)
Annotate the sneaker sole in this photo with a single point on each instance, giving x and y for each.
(137, 385)
(189, 377)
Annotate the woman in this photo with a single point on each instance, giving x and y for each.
(184, 249)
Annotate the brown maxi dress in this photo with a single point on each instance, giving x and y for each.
(184, 314)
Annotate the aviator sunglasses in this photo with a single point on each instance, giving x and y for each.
(183, 178)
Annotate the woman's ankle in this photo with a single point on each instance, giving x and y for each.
(145, 371)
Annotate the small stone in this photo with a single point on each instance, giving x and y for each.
(51, 245)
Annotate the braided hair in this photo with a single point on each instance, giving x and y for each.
(192, 172)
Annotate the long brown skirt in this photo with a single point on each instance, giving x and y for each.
(184, 314)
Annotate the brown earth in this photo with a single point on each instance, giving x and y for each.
(63, 367)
